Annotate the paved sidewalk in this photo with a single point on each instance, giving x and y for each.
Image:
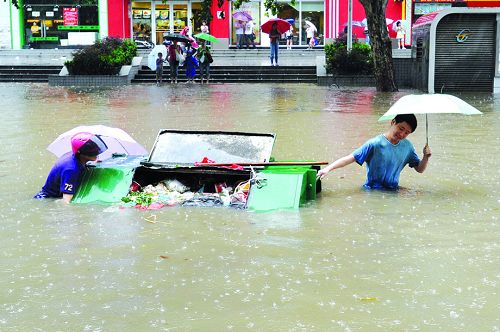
(231, 57)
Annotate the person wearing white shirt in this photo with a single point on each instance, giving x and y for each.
(249, 35)
(240, 26)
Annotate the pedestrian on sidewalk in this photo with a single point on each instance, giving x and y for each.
(289, 38)
(240, 26)
(249, 34)
(174, 54)
(274, 36)
(205, 59)
(191, 63)
(204, 27)
(310, 30)
(159, 69)
(400, 35)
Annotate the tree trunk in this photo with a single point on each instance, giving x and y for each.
(380, 43)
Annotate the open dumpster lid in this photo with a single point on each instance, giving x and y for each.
(184, 148)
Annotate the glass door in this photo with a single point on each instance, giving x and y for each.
(180, 17)
(162, 21)
(171, 18)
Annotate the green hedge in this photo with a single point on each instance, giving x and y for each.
(341, 62)
(104, 57)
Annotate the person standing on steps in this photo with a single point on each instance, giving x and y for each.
(274, 36)
(249, 35)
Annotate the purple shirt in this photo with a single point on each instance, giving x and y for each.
(64, 177)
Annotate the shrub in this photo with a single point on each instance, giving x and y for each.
(340, 61)
(104, 57)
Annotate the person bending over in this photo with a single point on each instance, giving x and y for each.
(65, 176)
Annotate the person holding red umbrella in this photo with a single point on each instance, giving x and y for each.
(275, 27)
(274, 36)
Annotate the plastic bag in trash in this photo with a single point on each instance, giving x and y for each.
(175, 185)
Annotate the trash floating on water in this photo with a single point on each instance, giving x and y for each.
(368, 299)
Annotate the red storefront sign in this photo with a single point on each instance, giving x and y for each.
(70, 16)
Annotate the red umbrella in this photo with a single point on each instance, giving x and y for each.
(282, 25)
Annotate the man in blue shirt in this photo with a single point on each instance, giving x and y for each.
(386, 155)
(64, 177)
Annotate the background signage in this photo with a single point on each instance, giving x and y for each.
(70, 16)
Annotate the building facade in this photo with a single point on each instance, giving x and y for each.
(67, 23)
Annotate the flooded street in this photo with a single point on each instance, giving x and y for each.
(423, 259)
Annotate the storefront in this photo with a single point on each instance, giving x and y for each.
(457, 50)
(150, 20)
(302, 11)
(54, 24)
(422, 7)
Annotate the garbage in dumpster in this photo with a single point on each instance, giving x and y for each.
(172, 192)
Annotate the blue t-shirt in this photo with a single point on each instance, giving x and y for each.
(64, 177)
(385, 161)
(159, 64)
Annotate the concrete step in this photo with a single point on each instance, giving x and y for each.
(232, 80)
(257, 70)
(24, 79)
(35, 71)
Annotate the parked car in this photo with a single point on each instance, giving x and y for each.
(143, 44)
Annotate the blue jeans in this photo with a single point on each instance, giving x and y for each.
(205, 70)
(239, 40)
(274, 52)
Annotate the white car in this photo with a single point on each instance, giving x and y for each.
(142, 44)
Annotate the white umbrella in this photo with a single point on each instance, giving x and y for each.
(309, 23)
(117, 140)
(429, 104)
(404, 24)
(387, 21)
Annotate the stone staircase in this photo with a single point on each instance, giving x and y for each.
(249, 66)
(30, 73)
(244, 74)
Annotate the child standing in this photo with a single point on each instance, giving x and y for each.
(400, 35)
(191, 63)
(159, 68)
(289, 38)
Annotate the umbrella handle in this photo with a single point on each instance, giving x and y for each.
(426, 131)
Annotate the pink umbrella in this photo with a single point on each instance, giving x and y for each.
(282, 25)
(242, 16)
(117, 140)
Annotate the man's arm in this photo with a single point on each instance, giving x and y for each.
(425, 159)
(344, 161)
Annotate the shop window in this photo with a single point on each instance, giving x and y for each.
(180, 17)
(288, 12)
(312, 12)
(195, 14)
(162, 21)
(141, 20)
(47, 24)
(253, 9)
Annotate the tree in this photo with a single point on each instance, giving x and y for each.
(383, 68)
